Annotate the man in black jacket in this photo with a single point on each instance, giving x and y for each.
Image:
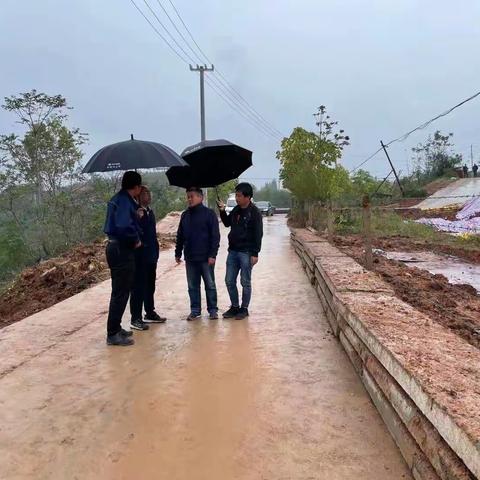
(146, 258)
(198, 236)
(244, 244)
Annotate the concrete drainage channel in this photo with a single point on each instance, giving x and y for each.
(423, 378)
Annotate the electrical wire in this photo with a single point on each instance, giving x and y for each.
(366, 160)
(228, 101)
(213, 83)
(403, 137)
(426, 124)
(157, 32)
(207, 59)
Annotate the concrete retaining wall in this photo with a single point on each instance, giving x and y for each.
(423, 379)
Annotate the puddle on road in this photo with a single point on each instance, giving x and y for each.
(454, 269)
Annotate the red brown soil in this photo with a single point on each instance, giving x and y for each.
(407, 244)
(56, 279)
(456, 307)
(416, 213)
(438, 184)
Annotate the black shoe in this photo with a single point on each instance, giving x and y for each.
(231, 312)
(126, 333)
(242, 314)
(213, 316)
(153, 317)
(193, 317)
(120, 340)
(139, 324)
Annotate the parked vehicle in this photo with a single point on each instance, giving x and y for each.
(266, 208)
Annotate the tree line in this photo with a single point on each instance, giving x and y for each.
(46, 204)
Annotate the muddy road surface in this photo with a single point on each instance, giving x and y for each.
(271, 398)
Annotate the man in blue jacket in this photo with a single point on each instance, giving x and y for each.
(198, 237)
(146, 258)
(123, 230)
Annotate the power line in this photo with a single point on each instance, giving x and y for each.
(177, 29)
(233, 103)
(225, 80)
(228, 101)
(157, 32)
(189, 32)
(420, 127)
(168, 32)
(245, 111)
(366, 160)
(189, 57)
(426, 124)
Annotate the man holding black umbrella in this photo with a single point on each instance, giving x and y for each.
(123, 230)
(244, 244)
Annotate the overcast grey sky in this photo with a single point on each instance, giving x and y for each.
(381, 67)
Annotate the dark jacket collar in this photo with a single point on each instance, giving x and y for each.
(126, 194)
(196, 208)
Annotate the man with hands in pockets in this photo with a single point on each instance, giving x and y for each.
(198, 237)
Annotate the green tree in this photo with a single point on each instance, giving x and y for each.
(48, 153)
(309, 161)
(222, 191)
(43, 161)
(364, 182)
(435, 157)
(271, 193)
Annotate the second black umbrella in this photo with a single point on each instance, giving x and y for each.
(215, 162)
(211, 163)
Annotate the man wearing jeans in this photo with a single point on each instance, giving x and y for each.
(244, 244)
(198, 236)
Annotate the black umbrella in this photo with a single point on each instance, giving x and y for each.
(211, 163)
(131, 155)
(184, 177)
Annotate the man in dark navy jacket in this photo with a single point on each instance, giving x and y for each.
(146, 258)
(198, 237)
(123, 230)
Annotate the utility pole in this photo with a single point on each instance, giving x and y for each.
(393, 168)
(202, 69)
(471, 155)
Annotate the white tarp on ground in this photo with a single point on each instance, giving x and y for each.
(466, 221)
(453, 226)
(470, 209)
(456, 194)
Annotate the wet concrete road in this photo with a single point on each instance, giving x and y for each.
(271, 398)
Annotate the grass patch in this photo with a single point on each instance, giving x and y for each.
(390, 224)
(385, 223)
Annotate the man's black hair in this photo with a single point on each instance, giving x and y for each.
(245, 189)
(131, 180)
(196, 190)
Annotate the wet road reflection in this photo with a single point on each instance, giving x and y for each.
(273, 397)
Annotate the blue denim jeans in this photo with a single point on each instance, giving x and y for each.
(195, 272)
(239, 262)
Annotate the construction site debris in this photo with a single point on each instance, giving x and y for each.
(49, 282)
